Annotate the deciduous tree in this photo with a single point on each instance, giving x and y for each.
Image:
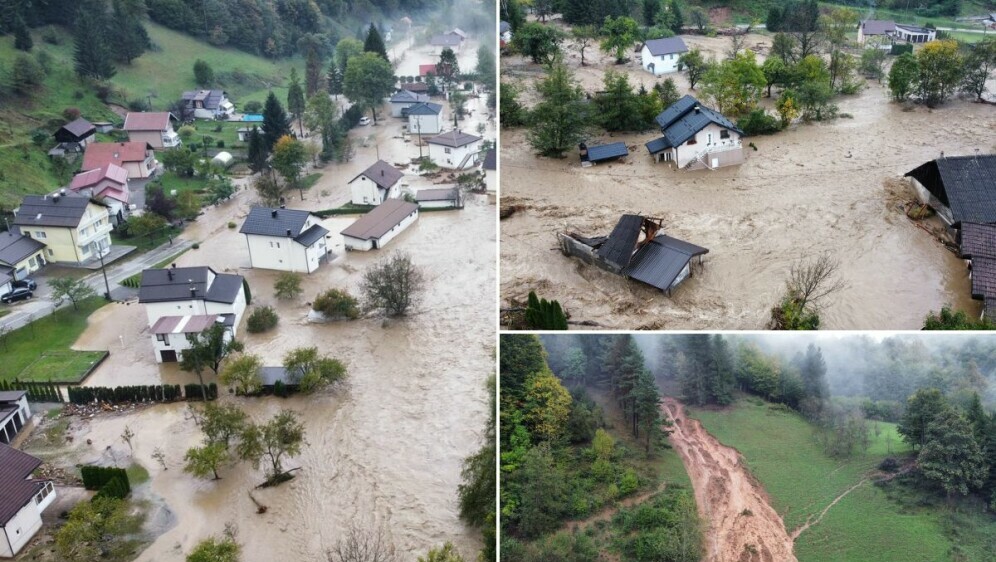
(312, 371)
(393, 285)
(368, 80)
(244, 373)
(618, 36)
(75, 290)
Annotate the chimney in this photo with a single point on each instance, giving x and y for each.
(174, 265)
(193, 292)
(283, 206)
(697, 109)
(55, 197)
(169, 273)
(288, 232)
(62, 191)
(273, 213)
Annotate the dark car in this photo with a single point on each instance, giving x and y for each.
(18, 294)
(26, 283)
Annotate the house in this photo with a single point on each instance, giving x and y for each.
(914, 33)
(107, 184)
(417, 87)
(73, 137)
(73, 227)
(459, 33)
(491, 170)
(180, 292)
(444, 41)
(23, 498)
(376, 184)
(959, 188)
(378, 227)
(20, 256)
(427, 70)
(977, 245)
(154, 128)
(444, 198)
(404, 99)
(175, 334)
(208, 104)
(454, 150)
(504, 33)
(591, 155)
(660, 56)
(135, 157)
(14, 414)
(878, 30)
(696, 137)
(284, 239)
(424, 118)
(638, 249)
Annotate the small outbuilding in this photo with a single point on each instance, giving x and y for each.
(378, 227)
(77, 132)
(445, 198)
(597, 153)
(14, 414)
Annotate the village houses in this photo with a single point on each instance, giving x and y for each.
(379, 226)
(455, 150)
(134, 156)
(660, 56)
(154, 128)
(107, 184)
(378, 183)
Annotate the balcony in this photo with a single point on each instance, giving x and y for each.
(94, 233)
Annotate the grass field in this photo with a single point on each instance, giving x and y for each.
(866, 525)
(52, 335)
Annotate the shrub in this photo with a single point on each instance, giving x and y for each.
(629, 482)
(220, 143)
(287, 286)
(138, 105)
(261, 319)
(195, 246)
(759, 122)
(96, 477)
(252, 107)
(335, 303)
(71, 113)
(889, 464)
(231, 224)
(115, 488)
(186, 132)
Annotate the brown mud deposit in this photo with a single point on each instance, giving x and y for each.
(824, 187)
(741, 524)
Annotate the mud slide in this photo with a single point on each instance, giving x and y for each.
(740, 524)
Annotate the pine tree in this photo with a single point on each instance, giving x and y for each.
(647, 411)
(333, 79)
(131, 39)
(256, 151)
(91, 53)
(814, 373)
(699, 369)
(723, 380)
(542, 314)
(951, 457)
(295, 99)
(374, 43)
(677, 18)
(313, 73)
(22, 36)
(561, 119)
(275, 122)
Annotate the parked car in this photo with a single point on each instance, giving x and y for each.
(27, 283)
(364, 120)
(18, 294)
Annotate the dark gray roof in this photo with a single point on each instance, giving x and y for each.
(913, 28)
(312, 235)
(424, 108)
(877, 27)
(658, 145)
(407, 96)
(681, 121)
(212, 98)
(454, 139)
(965, 184)
(618, 249)
(504, 27)
(267, 221)
(47, 210)
(6, 275)
(174, 284)
(490, 159)
(607, 151)
(79, 128)
(11, 395)
(382, 174)
(984, 278)
(666, 46)
(225, 288)
(381, 219)
(660, 262)
(15, 247)
(15, 488)
(977, 240)
(446, 40)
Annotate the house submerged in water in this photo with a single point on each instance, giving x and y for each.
(695, 137)
(637, 248)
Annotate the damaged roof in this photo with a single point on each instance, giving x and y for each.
(618, 249)
(962, 183)
(660, 262)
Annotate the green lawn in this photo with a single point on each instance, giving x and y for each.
(52, 335)
(228, 133)
(865, 526)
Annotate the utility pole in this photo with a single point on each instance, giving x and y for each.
(103, 270)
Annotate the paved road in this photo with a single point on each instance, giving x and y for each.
(28, 311)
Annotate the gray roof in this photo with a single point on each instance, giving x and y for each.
(15, 247)
(79, 127)
(877, 27)
(977, 240)
(454, 139)
(609, 151)
(660, 262)
(504, 27)
(984, 278)
(666, 46)
(913, 28)
(424, 108)
(174, 284)
(658, 145)
(6, 275)
(446, 40)
(490, 159)
(965, 184)
(15, 488)
(314, 233)
(446, 194)
(382, 174)
(268, 221)
(380, 220)
(12, 395)
(211, 98)
(406, 96)
(618, 248)
(49, 210)
(681, 121)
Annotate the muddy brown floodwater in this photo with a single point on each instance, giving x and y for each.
(833, 187)
(740, 523)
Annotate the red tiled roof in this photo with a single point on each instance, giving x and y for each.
(102, 153)
(425, 69)
(147, 121)
(111, 172)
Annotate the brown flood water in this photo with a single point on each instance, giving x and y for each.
(832, 187)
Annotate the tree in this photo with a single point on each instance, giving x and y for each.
(310, 370)
(951, 457)
(948, 319)
(584, 36)
(295, 99)
(243, 373)
(256, 151)
(903, 76)
(539, 42)
(775, 72)
(345, 50)
(447, 68)
(362, 546)
(336, 303)
(287, 286)
(695, 65)
(208, 349)
(543, 491)
(93, 530)
(130, 39)
(872, 62)
(922, 408)
(477, 489)
(699, 18)
(836, 24)
(393, 285)
(618, 36)
(542, 314)
(368, 80)
(544, 8)
(561, 119)
(92, 52)
(76, 290)
(280, 437)
(810, 282)
(220, 424)
(26, 74)
(447, 553)
(289, 157)
(979, 66)
(312, 73)
(213, 549)
(333, 79)
(667, 92)
(486, 71)
(940, 70)
(270, 192)
(275, 122)
(783, 46)
(735, 85)
(180, 161)
(676, 16)
(205, 461)
(374, 43)
(617, 104)
(22, 36)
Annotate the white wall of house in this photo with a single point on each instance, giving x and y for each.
(366, 192)
(452, 158)
(708, 140)
(11, 425)
(662, 64)
(170, 342)
(366, 245)
(424, 124)
(156, 310)
(928, 198)
(491, 180)
(23, 526)
(284, 254)
(237, 308)
(442, 204)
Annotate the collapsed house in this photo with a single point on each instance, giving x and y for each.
(637, 248)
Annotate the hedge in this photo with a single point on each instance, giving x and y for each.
(97, 477)
(195, 391)
(37, 391)
(119, 394)
(345, 210)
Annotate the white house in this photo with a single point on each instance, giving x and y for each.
(174, 334)
(424, 118)
(878, 31)
(207, 104)
(284, 239)
(696, 137)
(378, 227)
(454, 150)
(191, 291)
(660, 56)
(14, 413)
(376, 184)
(23, 498)
(914, 33)
(405, 99)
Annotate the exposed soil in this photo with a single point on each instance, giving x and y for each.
(741, 524)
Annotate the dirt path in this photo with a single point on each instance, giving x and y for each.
(810, 521)
(608, 513)
(741, 525)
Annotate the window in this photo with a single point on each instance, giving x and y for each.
(164, 338)
(724, 134)
(278, 244)
(44, 492)
(32, 262)
(41, 235)
(692, 141)
(50, 252)
(446, 150)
